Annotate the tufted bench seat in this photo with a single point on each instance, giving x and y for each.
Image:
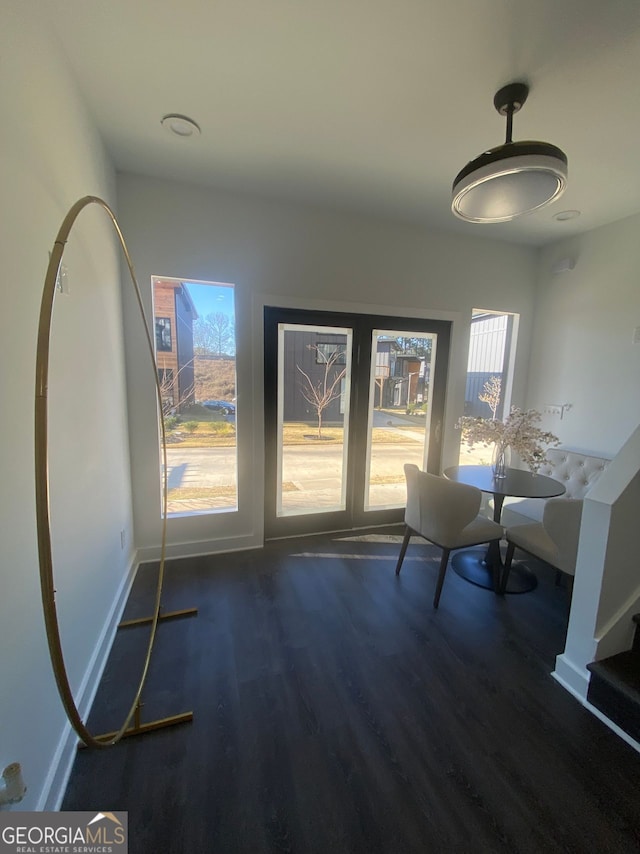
(577, 471)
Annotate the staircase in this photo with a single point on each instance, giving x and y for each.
(614, 688)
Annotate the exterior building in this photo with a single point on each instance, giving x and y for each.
(489, 343)
(386, 353)
(306, 356)
(412, 371)
(401, 378)
(174, 314)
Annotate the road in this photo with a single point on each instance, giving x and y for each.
(311, 474)
(216, 466)
(201, 466)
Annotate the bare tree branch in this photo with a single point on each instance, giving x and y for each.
(172, 397)
(214, 335)
(325, 390)
(491, 394)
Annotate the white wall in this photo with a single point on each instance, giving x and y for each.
(49, 157)
(287, 254)
(582, 350)
(582, 353)
(606, 591)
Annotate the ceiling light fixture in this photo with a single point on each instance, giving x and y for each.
(180, 125)
(512, 179)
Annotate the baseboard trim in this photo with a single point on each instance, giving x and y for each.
(613, 727)
(574, 679)
(201, 548)
(60, 769)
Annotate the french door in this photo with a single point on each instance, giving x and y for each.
(349, 399)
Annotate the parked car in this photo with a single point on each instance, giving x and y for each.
(224, 407)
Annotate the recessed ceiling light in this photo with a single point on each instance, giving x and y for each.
(180, 125)
(564, 215)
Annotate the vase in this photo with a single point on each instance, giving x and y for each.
(501, 460)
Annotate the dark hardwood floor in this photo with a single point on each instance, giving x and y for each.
(336, 711)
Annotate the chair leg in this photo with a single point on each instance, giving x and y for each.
(443, 569)
(405, 543)
(507, 566)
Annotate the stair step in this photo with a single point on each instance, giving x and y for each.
(615, 690)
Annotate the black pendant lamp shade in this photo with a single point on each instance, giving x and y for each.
(512, 179)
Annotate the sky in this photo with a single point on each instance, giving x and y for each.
(211, 297)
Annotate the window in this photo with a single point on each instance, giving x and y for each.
(163, 334)
(489, 370)
(326, 350)
(196, 364)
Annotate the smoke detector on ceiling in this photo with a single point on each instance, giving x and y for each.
(180, 125)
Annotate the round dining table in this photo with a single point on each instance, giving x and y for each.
(477, 565)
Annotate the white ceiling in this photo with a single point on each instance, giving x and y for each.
(372, 105)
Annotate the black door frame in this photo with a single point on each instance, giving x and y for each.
(354, 516)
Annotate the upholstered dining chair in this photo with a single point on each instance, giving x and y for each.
(446, 514)
(554, 540)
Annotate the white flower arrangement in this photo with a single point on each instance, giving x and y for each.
(518, 431)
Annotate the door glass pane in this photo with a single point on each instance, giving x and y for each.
(196, 362)
(314, 370)
(487, 393)
(400, 397)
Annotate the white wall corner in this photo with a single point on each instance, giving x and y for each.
(56, 781)
(617, 634)
(606, 592)
(620, 591)
(572, 676)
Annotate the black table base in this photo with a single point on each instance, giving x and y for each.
(471, 565)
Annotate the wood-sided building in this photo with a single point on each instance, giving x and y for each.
(174, 314)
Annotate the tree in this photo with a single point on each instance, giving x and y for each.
(491, 394)
(203, 342)
(223, 332)
(416, 346)
(325, 390)
(214, 335)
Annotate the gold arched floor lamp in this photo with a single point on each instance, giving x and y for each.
(43, 514)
